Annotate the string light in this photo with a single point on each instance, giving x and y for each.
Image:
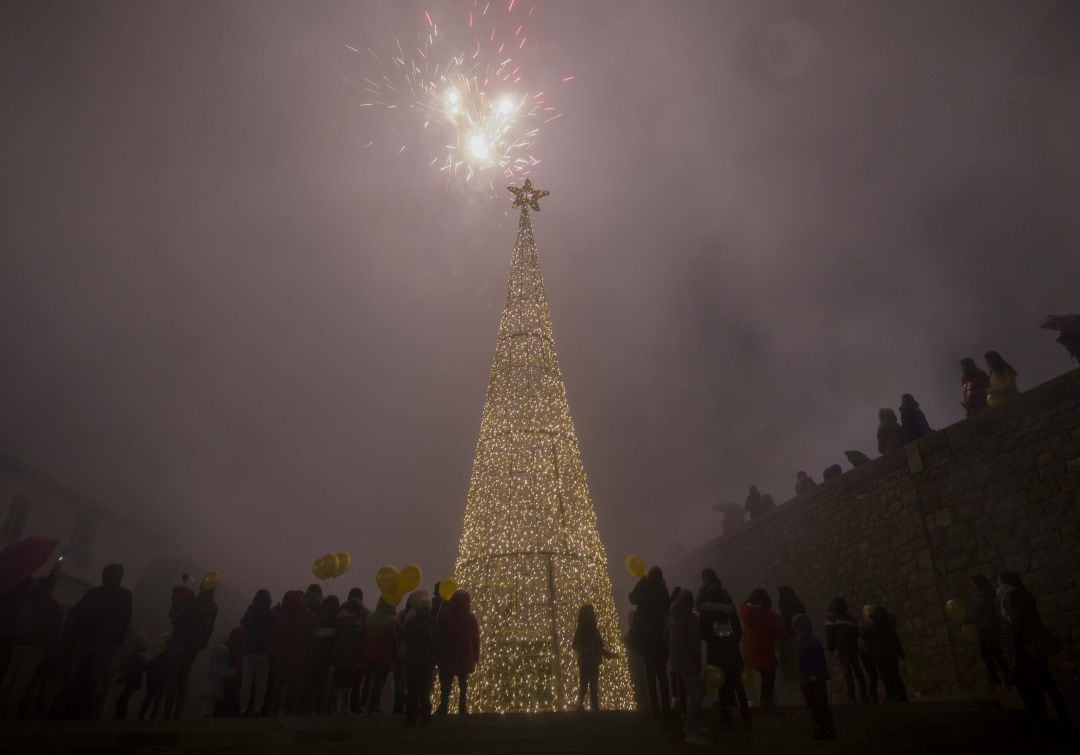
(531, 553)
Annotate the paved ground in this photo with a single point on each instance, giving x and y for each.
(967, 727)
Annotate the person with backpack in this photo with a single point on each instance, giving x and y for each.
(722, 633)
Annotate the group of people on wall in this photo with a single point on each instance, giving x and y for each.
(979, 390)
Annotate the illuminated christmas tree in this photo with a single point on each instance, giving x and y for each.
(531, 554)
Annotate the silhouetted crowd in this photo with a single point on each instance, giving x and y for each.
(750, 641)
(308, 655)
(979, 390)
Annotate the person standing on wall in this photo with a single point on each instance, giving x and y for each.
(1003, 385)
(974, 384)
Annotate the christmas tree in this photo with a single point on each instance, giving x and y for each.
(531, 554)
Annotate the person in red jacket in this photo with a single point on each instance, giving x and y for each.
(459, 648)
(288, 649)
(761, 630)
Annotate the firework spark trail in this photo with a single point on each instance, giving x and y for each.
(465, 88)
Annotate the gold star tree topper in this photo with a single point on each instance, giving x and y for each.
(526, 195)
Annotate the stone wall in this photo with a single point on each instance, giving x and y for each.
(998, 490)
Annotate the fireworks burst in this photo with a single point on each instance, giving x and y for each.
(465, 84)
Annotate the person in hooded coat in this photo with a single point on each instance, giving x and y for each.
(983, 613)
(814, 676)
(889, 434)
(974, 384)
(884, 645)
(288, 649)
(96, 628)
(1002, 385)
(258, 624)
(754, 503)
(192, 625)
(804, 483)
(651, 600)
(1031, 645)
(842, 639)
(913, 424)
(459, 648)
(722, 633)
(762, 629)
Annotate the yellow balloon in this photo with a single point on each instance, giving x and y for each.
(713, 676)
(968, 633)
(636, 565)
(393, 598)
(447, 588)
(211, 580)
(388, 580)
(748, 678)
(316, 568)
(410, 578)
(866, 611)
(330, 565)
(344, 561)
(955, 609)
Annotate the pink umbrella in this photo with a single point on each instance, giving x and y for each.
(19, 560)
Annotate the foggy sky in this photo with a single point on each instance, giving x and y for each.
(220, 314)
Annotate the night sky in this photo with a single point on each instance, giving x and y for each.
(223, 316)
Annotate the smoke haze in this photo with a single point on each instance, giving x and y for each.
(223, 316)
